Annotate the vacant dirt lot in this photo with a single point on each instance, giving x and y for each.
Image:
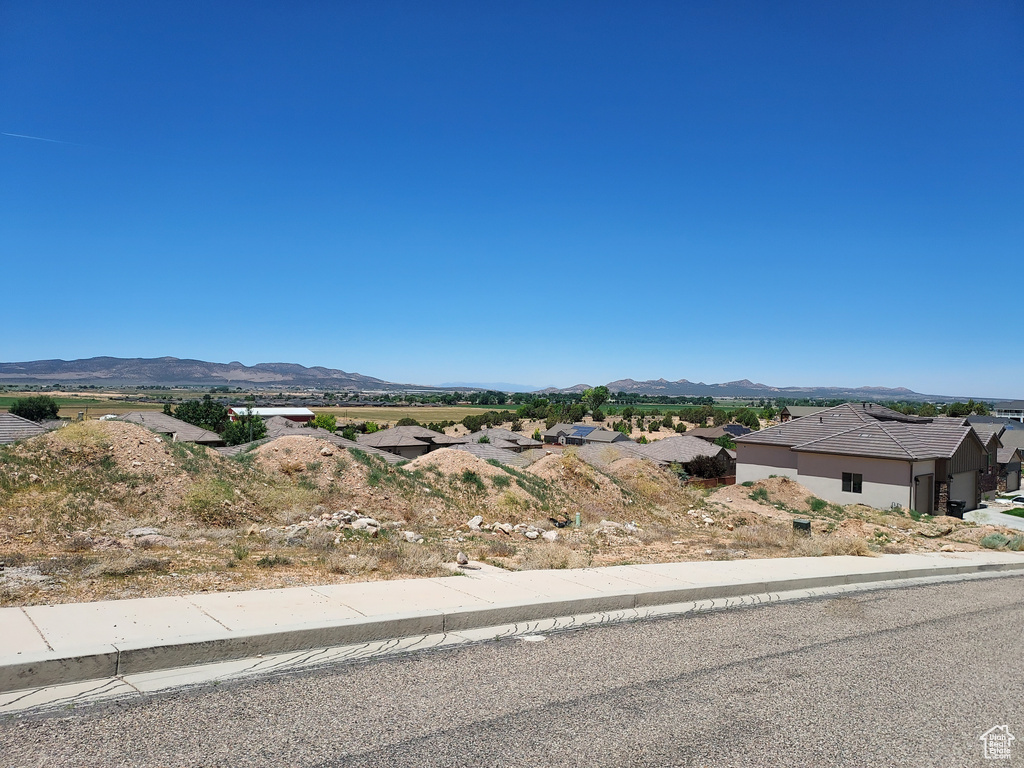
(102, 510)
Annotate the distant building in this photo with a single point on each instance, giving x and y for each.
(1011, 410)
(791, 412)
(293, 414)
(179, 431)
(581, 434)
(14, 428)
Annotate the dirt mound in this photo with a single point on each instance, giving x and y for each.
(293, 455)
(451, 462)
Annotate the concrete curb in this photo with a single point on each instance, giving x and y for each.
(111, 660)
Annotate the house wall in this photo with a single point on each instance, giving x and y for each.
(885, 482)
(756, 462)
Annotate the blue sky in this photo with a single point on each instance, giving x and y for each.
(798, 193)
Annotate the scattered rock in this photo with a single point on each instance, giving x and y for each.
(136, 532)
(532, 535)
(550, 535)
(474, 523)
(461, 558)
(504, 528)
(365, 523)
(326, 451)
(412, 537)
(155, 540)
(947, 548)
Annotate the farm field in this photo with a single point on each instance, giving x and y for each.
(93, 404)
(392, 414)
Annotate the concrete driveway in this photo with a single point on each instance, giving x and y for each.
(994, 515)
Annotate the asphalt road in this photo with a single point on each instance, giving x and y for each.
(907, 677)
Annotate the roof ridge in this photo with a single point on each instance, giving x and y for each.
(829, 437)
(895, 439)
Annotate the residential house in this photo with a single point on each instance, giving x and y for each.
(1009, 469)
(581, 434)
(501, 438)
(278, 426)
(870, 454)
(490, 452)
(409, 442)
(14, 428)
(179, 431)
(790, 412)
(732, 431)
(292, 414)
(989, 434)
(683, 449)
(1010, 410)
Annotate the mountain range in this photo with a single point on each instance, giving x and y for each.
(171, 371)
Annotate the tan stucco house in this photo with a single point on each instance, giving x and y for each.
(869, 454)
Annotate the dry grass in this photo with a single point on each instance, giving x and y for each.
(552, 555)
(778, 538)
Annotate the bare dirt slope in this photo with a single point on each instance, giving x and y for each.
(102, 510)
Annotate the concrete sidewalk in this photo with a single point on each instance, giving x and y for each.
(48, 645)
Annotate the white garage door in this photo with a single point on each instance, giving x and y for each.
(965, 488)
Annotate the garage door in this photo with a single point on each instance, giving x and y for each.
(965, 488)
(1013, 480)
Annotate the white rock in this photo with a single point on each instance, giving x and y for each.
(326, 451)
(365, 523)
(461, 558)
(531, 534)
(412, 537)
(474, 523)
(504, 528)
(550, 535)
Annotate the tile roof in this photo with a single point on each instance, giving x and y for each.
(873, 431)
(679, 449)
(488, 452)
(182, 431)
(986, 432)
(317, 434)
(799, 411)
(16, 428)
(499, 435)
(391, 438)
(1008, 455)
(601, 455)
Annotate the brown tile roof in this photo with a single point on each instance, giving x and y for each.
(679, 449)
(489, 452)
(181, 431)
(602, 454)
(876, 432)
(390, 438)
(504, 436)
(16, 428)
(1008, 455)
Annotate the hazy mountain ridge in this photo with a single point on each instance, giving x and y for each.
(170, 371)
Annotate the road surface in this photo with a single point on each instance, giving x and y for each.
(910, 676)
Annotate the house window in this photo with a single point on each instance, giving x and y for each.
(852, 482)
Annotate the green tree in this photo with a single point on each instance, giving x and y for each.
(594, 398)
(747, 418)
(927, 410)
(370, 427)
(35, 408)
(205, 413)
(167, 410)
(349, 433)
(960, 409)
(726, 442)
(244, 430)
(406, 421)
(667, 421)
(326, 421)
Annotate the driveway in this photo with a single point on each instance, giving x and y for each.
(993, 515)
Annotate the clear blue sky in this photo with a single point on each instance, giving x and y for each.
(797, 193)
